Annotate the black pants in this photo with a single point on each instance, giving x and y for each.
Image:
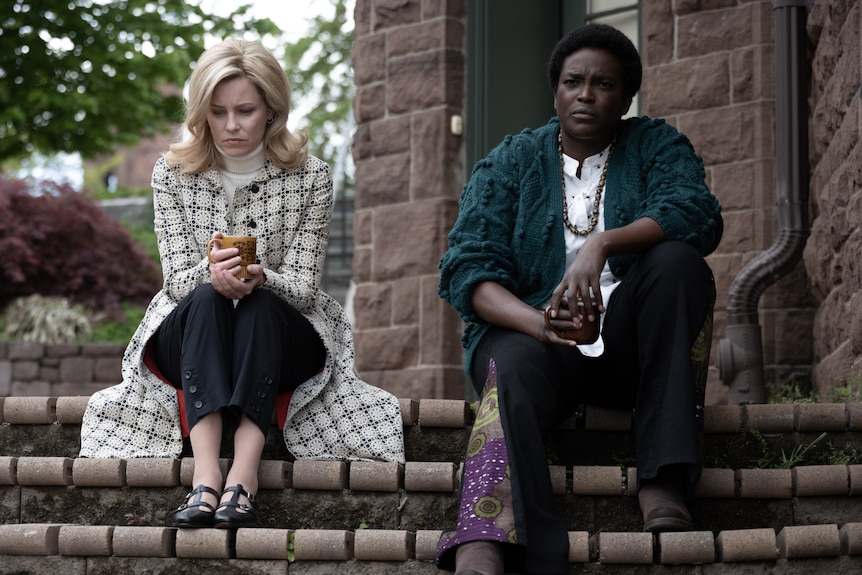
(653, 319)
(236, 358)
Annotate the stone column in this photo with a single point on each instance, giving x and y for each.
(409, 63)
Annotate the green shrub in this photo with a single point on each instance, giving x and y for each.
(42, 319)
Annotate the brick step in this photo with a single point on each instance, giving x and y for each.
(438, 429)
(417, 495)
(73, 549)
(45, 488)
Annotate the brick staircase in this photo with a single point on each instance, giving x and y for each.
(67, 515)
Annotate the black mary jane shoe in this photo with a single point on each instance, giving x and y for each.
(232, 514)
(195, 512)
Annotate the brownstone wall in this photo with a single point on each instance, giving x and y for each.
(409, 65)
(35, 369)
(709, 70)
(833, 254)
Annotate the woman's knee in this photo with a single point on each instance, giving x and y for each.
(678, 263)
(206, 296)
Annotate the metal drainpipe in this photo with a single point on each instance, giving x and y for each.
(740, 354)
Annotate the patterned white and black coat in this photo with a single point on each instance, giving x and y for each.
(333, 415)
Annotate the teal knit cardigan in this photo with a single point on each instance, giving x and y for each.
(510, 226)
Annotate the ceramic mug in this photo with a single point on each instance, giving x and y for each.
(247, 246)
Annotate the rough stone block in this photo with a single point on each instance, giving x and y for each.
(814, 480)
(811, 417)
(320, 475)
(26, 350)
(693, 547)
(77, 369)
(376, 476)
(851, 539)
(602, 419)
(444, 413)
(597, 480)
(426, 544)
(8, 470)
(85, 540)
(722, 419)
(29, 539)
(262, 543)
(628, 548)
(765, 483)
(30, 410)
(44, 471)
(144, 541)
(187, 469)
(99, 472)
(558, 479)
(430, 476)
(717, 483)
(409, 411)
(153, 472)
(746, 545)
(854, 416)
(803, 541)
(579, 547)
(322, 545)
(204, 543)
(274, 474)
(855, 472)
(70, 410)
(383, 545)
(771, 417)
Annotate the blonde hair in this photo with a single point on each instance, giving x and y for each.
(227, 60)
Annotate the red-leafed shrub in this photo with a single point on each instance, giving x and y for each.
(56, 242)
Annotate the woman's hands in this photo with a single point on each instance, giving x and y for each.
(581, 282)
(225, 269)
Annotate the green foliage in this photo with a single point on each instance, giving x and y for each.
(45, 320)
(291, 547)
(851, 392)
(798, 453)
(90, 75)
(790, 392)
(319, 69)
(118, 330)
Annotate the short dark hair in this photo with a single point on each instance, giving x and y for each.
(603, 37)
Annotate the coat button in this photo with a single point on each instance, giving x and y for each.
(261, 394)
(193, 389)
(188, 374)
(267, 380)
(255, 409)
(199, 404)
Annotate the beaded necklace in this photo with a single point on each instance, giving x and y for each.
(595, 215)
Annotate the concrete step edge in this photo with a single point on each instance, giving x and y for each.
(824, 541)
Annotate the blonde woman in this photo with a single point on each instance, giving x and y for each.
(214, 352)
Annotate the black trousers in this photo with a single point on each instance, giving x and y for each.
(236, 358)
(653, 319)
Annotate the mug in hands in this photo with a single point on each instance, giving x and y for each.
(588, 332)
(247, 246)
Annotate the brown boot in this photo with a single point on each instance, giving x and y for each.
(479, 558)
(663, 506)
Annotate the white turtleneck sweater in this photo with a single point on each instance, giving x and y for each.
(238, 172)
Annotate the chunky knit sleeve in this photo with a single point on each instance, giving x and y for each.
(480, 242)
(658, 175)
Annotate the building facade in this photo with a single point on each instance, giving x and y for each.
(423, 87)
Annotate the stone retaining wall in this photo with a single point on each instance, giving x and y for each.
(35, 369)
